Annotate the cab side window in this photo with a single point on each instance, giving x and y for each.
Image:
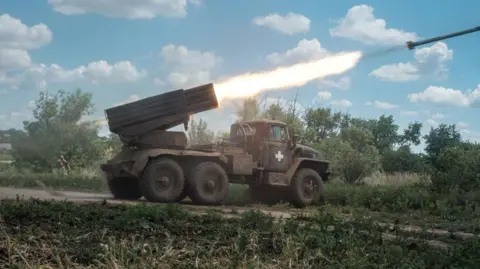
(278, 133)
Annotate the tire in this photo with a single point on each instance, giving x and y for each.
(124, 188)
(300, 197)
(184, 193)
(162, 181)
(208, 184)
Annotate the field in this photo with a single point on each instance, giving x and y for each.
(389, 222)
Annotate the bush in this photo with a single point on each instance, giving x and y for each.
(458, 169)
(348, 163)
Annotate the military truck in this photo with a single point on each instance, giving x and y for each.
(158, 163)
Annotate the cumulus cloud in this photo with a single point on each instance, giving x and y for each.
(341, 103)
(343, 83)
(306, 50)
(16, 35)
(428, 61)
(289, 24)
(382, 105)
(432, 123)
(16, 39)
(462, 124)
(139, 9)
(324, 96)
(447, 97)
(361, 25)
(188, 67)
(98, 72)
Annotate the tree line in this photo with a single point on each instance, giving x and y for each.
(356, 146)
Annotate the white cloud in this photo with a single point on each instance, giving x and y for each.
(98, 72)
(342, 83)
(438, 116)
(306, 50)
(324, 96)
(131, 98)
(11, 59)
(16, 35)
(139, 9)
(428, 61)
(447, 97)
(432, 122)
(289, 24)
(409, 113)
(382, 105)
(16, 39)
(360, 24)
(341, 103)
(462, 124)
(158, 82)
(188, 67)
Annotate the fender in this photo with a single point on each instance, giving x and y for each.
(321, 166)
(141, 158)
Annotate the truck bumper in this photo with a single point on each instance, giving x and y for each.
(121, 169)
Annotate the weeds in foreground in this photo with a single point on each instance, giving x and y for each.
(63, 235)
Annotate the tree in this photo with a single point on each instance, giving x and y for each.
(439, 139)
(58, 131)
(322, 123)
(249, 110)
(412, 134)
(198, 133)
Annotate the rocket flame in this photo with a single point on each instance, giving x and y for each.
(249, 85)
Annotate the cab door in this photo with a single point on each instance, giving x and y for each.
(277, 156)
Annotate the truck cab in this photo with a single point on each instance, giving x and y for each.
(285, 169)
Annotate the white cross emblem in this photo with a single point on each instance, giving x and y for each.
(279, 156)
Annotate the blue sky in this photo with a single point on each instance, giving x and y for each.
(123, 52)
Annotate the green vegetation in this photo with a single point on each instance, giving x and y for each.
(375, 174)
(66, 235)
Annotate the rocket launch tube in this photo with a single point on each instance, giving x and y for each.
(160, 112)
(411, 45)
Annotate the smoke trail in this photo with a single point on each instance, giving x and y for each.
(251, 84)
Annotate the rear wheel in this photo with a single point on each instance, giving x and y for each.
(124, 188)
(162, 181)
(307, 188)
(184, 193)
(208, 184)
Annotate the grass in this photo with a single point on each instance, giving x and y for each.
(64, 235)
(396, 198)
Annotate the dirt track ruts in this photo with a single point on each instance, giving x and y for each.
(227, 211)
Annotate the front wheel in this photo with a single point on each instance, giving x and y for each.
(162, 181)
(208, 184)
(307, 188)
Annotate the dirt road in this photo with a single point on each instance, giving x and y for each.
(85, 197)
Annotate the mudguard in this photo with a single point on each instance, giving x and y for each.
(142, 157)
(321, 166)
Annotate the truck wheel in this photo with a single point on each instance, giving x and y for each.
(306, 188)
(208, 184)
(184, 193)
(124, 188)
(162, 181)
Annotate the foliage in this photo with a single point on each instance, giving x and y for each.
(458, 168)
(348, 162)
(150, 236)
(198, 133)
(58, 130)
